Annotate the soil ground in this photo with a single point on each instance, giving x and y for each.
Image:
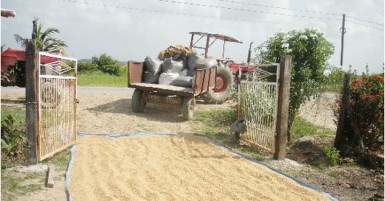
(108, 110)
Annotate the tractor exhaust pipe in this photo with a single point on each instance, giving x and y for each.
(249, 55)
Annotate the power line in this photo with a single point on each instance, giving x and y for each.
(367, 21)
(154, 11)
(278, 7)
(206, 16)
(186, 14)
(381, 29)
(246, 10)
(299, 10)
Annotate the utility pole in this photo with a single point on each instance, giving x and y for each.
(343, 31)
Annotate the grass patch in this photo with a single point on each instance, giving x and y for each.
(98, 78)
(60, 160)
(216, 122)
(301, 128)
(17, 113)
(15, 185)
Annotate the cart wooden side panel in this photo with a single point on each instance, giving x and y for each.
(135, 72)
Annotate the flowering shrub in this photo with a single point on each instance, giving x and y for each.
(367, 104)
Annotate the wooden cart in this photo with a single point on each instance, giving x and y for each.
(203, 81)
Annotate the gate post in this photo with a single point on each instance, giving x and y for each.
(283, 108)
(31, 65)
(343, 110)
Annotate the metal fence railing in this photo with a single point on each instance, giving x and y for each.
(56, 104)
(258, 97)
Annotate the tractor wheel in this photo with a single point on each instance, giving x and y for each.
(188, 108)
(223, 83)
(138, 101)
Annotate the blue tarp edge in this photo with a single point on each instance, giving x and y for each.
(67, 174)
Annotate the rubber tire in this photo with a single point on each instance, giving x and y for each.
(219, 97)
(188, 108)
(138, 102)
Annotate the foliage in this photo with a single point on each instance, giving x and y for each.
(107, 64)
(87, 67)
(301, 128)
(17, 184)
(13, 141)
(310, 51)
(44, 40)
(216, 121)
(367, 104)
(60, 160)
(335, 79)
(332, 153)
(15, 75)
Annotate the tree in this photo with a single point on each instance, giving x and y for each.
(310, 52)
(335, 78)
(44, 40)
(107, 64)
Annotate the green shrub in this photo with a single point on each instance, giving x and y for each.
(335, 79)
(332, 153)
(15, 75)
(13, 139)
(107, 64)
(87, 67)
(113, 69)
(310, 52)
(367, 104)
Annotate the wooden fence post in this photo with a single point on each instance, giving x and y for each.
(283, 108)
(31, 67)
(343, 111)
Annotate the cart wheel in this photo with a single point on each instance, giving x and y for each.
(138, 101)
(188, 108)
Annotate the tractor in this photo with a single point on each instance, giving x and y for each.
(227, 71)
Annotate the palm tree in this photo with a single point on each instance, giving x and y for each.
(44, 40)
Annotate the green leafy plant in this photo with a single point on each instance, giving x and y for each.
(107, 64)
(310, 52)
(87, 67)
(13, 140)
(332, 153)
(367, 104)
(335, 79)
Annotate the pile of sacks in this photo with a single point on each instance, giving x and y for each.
(175, 68)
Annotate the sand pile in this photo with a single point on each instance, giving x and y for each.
(173, 168)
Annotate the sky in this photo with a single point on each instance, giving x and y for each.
(133, 29)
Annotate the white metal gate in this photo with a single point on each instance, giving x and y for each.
(57, 85)
(258, 98)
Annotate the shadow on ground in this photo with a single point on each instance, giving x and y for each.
(307, 153)
(13, 101)
(153, 112)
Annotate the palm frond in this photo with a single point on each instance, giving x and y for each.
(49, 32)
(22, 41)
